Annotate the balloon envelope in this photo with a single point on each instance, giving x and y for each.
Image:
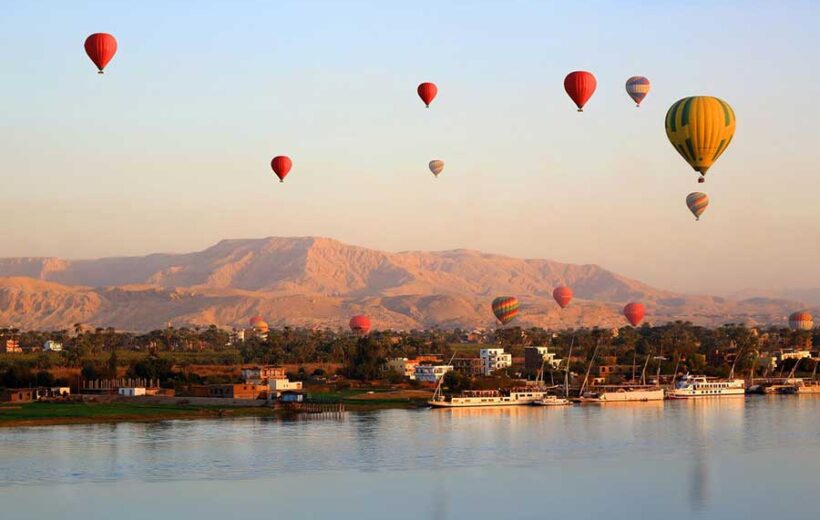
(436, 167)
(100, 47)
(360, 324)
(580, 85)
(505, 308)
(281, 165)
(427, 92)
(254, 320)
(697, 202)
(700, 128)
(634, 313)
(562, 295)
(637, 87)
(801, 320)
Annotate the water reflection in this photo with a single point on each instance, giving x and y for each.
(693, 457)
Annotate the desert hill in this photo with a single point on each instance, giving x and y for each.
(310, 281)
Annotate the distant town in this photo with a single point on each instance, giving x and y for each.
(262, 366)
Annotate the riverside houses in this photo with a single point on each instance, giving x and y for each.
(431, 373)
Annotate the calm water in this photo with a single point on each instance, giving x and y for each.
(721, 458)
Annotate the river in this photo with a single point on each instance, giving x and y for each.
(757, 457)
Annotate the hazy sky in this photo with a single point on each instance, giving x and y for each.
(169, 151)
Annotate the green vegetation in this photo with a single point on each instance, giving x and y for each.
(82, 410)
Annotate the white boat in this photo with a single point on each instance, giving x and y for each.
(702, 386)
(552, 400)
(622, 393)
(473, 398)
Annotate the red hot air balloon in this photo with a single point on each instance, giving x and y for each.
(254, 320)
(580, 85)
(634, 313)
(801, 320)
(360, 324)
(427, 92)
(281, 166)
(562, 295)
(100, 47)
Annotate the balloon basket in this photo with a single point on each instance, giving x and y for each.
(701, 180)
(100, 72)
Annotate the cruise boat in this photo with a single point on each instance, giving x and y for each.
(511, 397)
(702, 386)
(622, 393)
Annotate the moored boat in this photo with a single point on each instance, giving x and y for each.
(474, 398)
(702, 386)
(552, 400)
(622, 393)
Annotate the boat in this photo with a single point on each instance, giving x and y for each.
(622, 393)
(474, 398)
(701, 386)
(551, 400)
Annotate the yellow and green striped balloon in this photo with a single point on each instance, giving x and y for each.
(700, 128)
(505, 308)
(697, 203)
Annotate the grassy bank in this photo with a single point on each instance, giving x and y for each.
(37, 414)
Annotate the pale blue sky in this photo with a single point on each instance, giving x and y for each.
(169, 150)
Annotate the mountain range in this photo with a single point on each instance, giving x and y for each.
(309, 281)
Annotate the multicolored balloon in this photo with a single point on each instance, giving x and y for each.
(427, 92)
(436, 167)
(505, 308)
(700, 128)
(634, 313)
(637, 87)
(562, 295)
(697, 203)
(801, 320)
(100, 47)
(580, 85)
(281, 165)
(360, 324)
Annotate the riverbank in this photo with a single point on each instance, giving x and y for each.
(148, 410)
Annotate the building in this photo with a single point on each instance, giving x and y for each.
(536, 357)
(431, 373)
(796, 354)
(53, 392)
(11, 346)
(52, 346)
(238, 391)
(403, 366)
(18, 395)
(284, 385)
(493, 359)
(263, 374)
(131, 391)
(470, 367)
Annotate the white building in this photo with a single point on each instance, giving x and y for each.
(52, 346)
(131, 391)
(546, 356)
(431, 373)
(493, 359)
(403, 366)
(282, 385)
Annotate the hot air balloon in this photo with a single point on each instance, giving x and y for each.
(360, 324)
(562, 295)
(637, 87)
(634, 313)
(100, 47)
(254, 320)
(580, 85)
(801, 320)
(436, 167)
(427, 93)
(700, 128)
(505, 308)
(281, 166)
(697, 202)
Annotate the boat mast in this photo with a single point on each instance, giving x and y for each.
(437, 393)
(643, 372)
(566, 372)
(589, 368)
